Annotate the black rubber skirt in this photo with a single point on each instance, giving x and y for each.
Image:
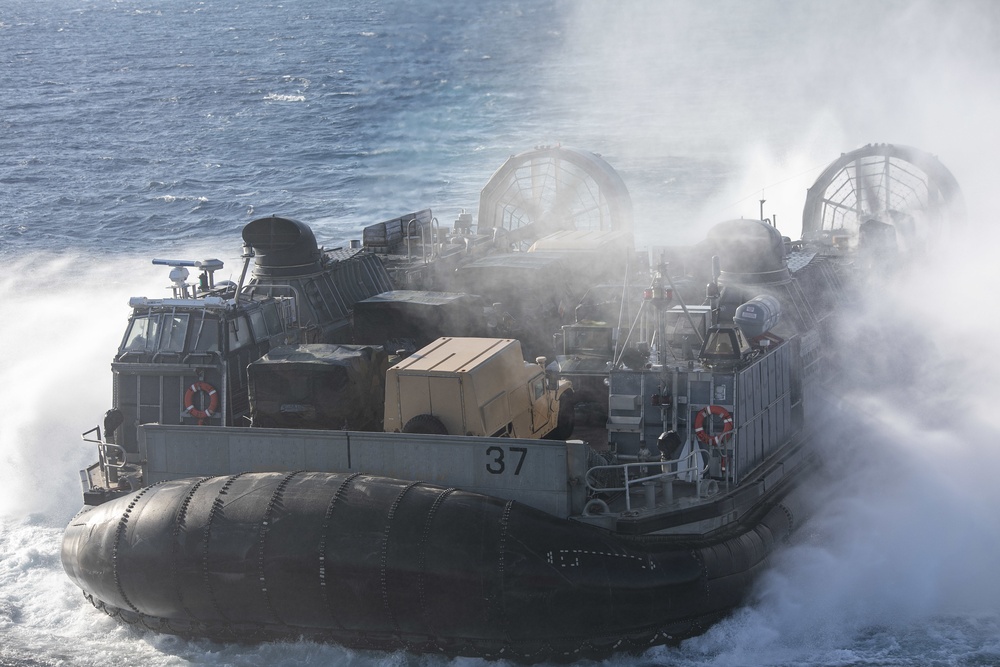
(372, 562)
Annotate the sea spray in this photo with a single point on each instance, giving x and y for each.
(905, 536)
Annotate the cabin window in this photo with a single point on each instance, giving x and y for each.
(272, 318)
(173, 331)
(257, 321)
(206, 336)
(239, 333)
(266, 321)
(157, 333)
(142, 333)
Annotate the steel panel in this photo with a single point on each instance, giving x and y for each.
(534, 472)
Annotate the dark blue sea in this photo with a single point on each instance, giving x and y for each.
(134, 129)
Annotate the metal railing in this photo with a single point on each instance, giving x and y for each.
(423, 228)
(642, 474)
(110, 455)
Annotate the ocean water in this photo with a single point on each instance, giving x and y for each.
(133, 129)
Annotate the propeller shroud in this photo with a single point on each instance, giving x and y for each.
(884, 185)
(551, 189)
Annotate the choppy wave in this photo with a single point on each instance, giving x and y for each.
(278, 97)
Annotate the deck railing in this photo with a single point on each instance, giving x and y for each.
(112, 457)
(645, 475)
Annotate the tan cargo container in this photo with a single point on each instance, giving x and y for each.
(476, 386)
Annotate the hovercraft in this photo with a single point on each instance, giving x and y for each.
(620, 488)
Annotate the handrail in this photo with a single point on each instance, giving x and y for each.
(424, 243)
(117, 461)
(408, 224)
(691, 466)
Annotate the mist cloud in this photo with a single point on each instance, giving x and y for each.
(786, 85)
(906, 529)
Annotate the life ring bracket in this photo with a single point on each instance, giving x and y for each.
(719, 439)
(201, 414)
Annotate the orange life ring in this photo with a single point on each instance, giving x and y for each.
(213, 400)
(727, 425)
